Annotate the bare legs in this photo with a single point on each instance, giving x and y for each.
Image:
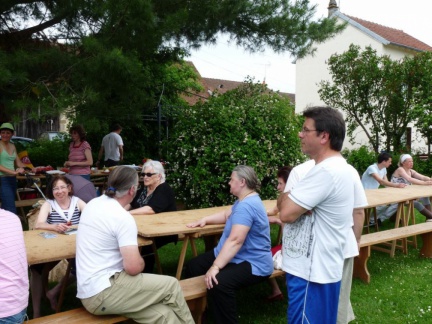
(276, 293)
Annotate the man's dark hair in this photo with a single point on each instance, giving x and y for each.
(115, 127)
(384, 156)
(328, 120)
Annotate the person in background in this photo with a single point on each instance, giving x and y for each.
(242, 257)
(317, 214)
(14, 284)
(112, 145)
(8, 159)
(406, 175)
(155, 197)
(58, 214)
(376, 175)
(282, 177)
(80, 156)
(109, 264)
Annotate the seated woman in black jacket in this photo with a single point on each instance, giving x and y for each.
(155, 197)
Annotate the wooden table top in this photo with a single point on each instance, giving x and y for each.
(171, 223)
(41, 250)
(386, 196)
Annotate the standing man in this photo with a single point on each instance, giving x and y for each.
(14, 283)
(313, 247)
(376, 175)
(109, 264)
(351, 250)
(112, 144)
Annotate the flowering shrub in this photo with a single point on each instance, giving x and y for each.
(249, 126)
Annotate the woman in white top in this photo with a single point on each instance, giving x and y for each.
(61, 211)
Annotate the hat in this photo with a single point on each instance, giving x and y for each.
(8, 126)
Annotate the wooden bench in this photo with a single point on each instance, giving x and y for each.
(367, 240)
(194, 291)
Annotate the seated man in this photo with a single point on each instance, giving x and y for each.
(109, 264)
(376, 175)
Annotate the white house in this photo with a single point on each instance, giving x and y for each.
(385, 40)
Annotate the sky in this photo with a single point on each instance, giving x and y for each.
(229, 62)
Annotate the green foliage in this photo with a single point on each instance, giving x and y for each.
(249, 126)
(45, 152)
(112, 60)
(376, 93)
(360, 158)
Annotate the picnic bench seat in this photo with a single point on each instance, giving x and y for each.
(367, 240)
(194, 291)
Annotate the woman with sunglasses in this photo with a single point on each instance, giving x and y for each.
(155, 197)
(61, 210)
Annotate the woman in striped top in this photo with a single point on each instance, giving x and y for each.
(58, 213)
(80, 157)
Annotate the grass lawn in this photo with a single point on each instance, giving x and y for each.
(399, 292)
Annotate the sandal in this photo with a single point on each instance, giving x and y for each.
(271, 299)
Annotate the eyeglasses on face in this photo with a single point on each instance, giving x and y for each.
(59, 188)
(304, 130)
(148, 174)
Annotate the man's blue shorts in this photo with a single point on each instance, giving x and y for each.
(311, 302)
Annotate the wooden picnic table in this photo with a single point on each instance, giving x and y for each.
(405, 214)
(62, 246)
(173, 223)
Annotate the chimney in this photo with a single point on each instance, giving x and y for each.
(332, 8)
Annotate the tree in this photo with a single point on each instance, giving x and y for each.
(423, 95)
(248, 125)
(110, 60)
(375, 92)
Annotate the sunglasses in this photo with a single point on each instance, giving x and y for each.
(148, 174)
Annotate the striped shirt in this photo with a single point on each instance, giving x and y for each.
(14, 284)
(55, 218)
(77, 154)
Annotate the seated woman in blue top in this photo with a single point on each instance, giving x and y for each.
(243, 256)
(58, 214)
(155, 197)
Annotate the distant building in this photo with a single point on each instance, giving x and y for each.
(385, 40)
(218, 86)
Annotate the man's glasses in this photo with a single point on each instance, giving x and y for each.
(60, 188)
(305, 130)
(148, 174)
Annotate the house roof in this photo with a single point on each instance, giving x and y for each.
(384, 34)
(220, 86)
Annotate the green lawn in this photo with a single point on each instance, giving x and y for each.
(399, 292)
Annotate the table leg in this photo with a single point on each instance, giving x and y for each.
(182, 257)
(156, 255)
(360, 264)
(400, 215)
(426, 250)
(63, 287)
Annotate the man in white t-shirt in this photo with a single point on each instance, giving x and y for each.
(351, 250)
(112, 144)
(109, 264)
(376, 175)
(313, 244)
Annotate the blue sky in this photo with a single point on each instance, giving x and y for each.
(229, 62)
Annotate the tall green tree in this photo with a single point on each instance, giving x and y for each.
(107, 60)
(248, 125)
(375, 92)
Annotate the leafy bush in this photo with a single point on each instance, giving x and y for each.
(360, 158)
(45, 152)
(249, 126)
